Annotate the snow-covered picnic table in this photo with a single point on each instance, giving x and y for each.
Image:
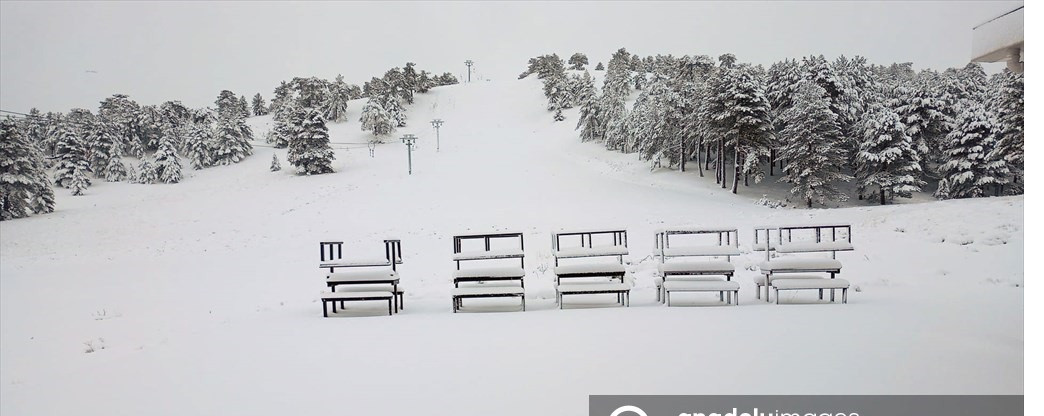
(367, 279)
(822, 238)
(488, 281)
(591, 277)
(699, 265)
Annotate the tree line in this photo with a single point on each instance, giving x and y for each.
(817, 123)
(70, 150)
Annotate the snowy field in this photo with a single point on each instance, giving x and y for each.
(201, 297)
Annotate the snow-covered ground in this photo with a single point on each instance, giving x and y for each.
(201, 297)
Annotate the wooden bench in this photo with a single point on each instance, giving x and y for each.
(333, 298)
(712, 259)
(823, 238)
(488, 282)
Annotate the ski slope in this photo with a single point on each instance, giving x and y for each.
(201, 297)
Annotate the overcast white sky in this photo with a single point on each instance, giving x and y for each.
(189, 51)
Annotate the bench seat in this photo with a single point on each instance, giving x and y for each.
(494, 272)
(487, 290)
(760, 280)
(590, 269)
(335, 297)
(508, 253)
(705, 251)
(576, 252)
(795, 284)
(723, 287)
(593, 287)
(813, 247)
(361, 276)
(787, 264)
(696, 267)
(700, 285)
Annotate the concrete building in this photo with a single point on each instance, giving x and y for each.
(1000, 40)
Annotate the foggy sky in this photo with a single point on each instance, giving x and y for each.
(190, 51)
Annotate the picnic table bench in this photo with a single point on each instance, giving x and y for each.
(592, 277)
(711, 271)
(793, 272)
(366, 280)
(488, 282)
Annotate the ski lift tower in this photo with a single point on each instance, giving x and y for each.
(437, 123)
(409, 140)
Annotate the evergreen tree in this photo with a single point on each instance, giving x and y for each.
(924, 116)
(282, 128)
(146, 172)
(228, 104)
(577, 61)
(811, 147)
(244, 108)
(24, 187)
(198, 147)
(276, 166)
(259, 105)
(1008, 106)
(971, 168)
(740, 113)
(599, 67)
(337, 104)
(375, 118)
(79, 181)
(887, 164)
(168, 163)
(72, 153)
(115, 170)
(230, 145)
(309, 151)
(591, 122)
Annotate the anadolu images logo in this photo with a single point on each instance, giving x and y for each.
(628, 411)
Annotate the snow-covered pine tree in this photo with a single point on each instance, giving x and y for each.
(591, 121)
(923, 115)
(1008, 107)
(24, 187)
(244, 108)
(146, 171)
(281, 96)
(578, 61)
(230, 145)
(783, 78)
(396, 112)
(616, 128)
(887, 164)
(227, 104)
(309, 151)
(424, 82)
(72, 152)
(258, 105)
(599, 67)
(197, 146)
(971, 168)
(617, 82)
(115, 169)
(336, 108)
(282, 128)
(168, 163)
(276, 166)
(375, 118)
(740, 113)
(811, 148)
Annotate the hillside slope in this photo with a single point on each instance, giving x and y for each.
(201, 297)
